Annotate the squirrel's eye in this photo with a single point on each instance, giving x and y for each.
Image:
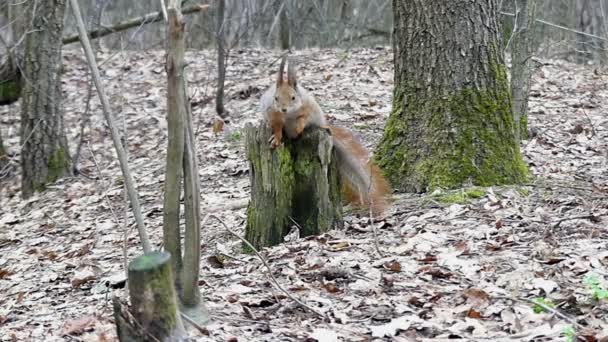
(276, 98)
(293, 98)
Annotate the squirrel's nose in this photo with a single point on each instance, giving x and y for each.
(284, 110)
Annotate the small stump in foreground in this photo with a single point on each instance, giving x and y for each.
(295, 184)
(154, 314)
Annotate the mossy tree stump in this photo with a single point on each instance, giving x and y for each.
(10, 84)
(153, 302)
(296, 183)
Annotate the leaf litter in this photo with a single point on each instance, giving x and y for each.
(449, 270)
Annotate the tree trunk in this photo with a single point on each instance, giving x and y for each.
(10, 80)
(284, 26)
(590, 19)
(44, 156)
(154, 312)
(3, 156)
(176, 116)
(221, 59)
(296, 184)
(521, 53)
(451, 121)
(182, 160)
(18, 21)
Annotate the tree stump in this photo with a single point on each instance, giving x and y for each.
(153, 302)
(295, 184)
(10, 81)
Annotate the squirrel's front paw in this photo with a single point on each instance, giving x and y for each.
(275, 141)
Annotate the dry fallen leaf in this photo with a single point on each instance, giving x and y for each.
(393, 266)
(78, 326)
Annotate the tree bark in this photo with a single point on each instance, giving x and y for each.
(176, 114)
(44, 156)
(3, 156)
(19, 21)
(521, 72)
(221, 59)
(284, 27)
(154, 313)
(452, 121)
(182, 160)
(10, 80)
(590, 19)
(296, 184)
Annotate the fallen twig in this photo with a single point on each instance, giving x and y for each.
(255, 251)
(552, 310)
(133, 22)
(580, 217)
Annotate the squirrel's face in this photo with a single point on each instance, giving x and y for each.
(287, 99)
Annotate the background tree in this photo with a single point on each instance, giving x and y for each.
(451, 122)
(521, 56)
(284, 34)
(221, 59)
(44, 156)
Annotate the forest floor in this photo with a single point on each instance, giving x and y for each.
(462, 264)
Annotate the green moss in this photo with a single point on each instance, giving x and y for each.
(461, 196)
(524, 192)
(58, 164)
(523, 127)
(467, 137)
(362, 126)
(149, 261)
(235, 136)
(9, 92)
(153, 269)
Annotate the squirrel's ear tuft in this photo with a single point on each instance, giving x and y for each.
(281, 68)
(291, 73)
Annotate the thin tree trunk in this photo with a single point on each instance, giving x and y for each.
(3, 156)
(221, 58)
(452, 121)
(284, 27)
(181, 157)
(590, 20)
(19, 21)
(120, 150)
(521, 53)
(176, 114)
(44, 156)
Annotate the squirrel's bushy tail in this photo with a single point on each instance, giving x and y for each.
(362, 180)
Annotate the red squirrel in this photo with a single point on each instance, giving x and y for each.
(289, 108)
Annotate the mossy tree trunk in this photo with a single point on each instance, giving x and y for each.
(452, 121)
(296, 184)
(44, 156)
(10, 80)
(521, 71)
(154, 309)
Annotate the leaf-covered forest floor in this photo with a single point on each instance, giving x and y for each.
(459, 264)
